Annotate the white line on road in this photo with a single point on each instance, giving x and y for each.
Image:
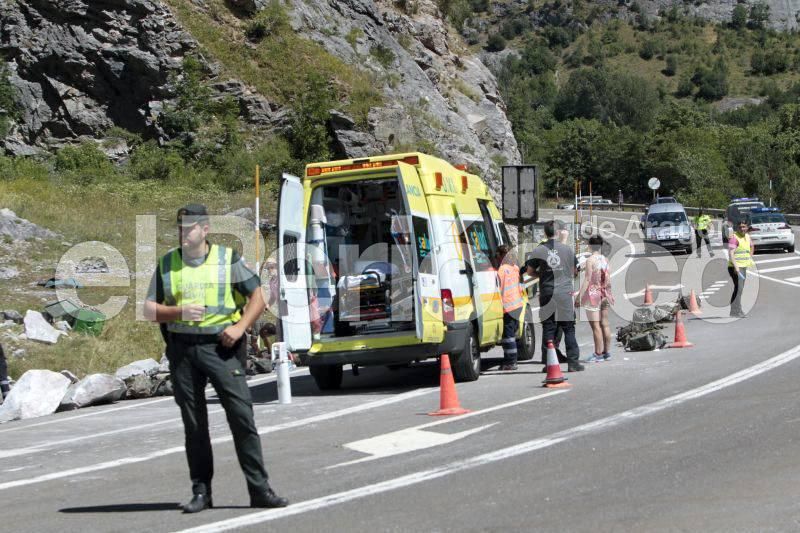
(794, 279)
(657, 287)
(778, 269)
(778, 260)
(180, 449)
(499, 455)
(776, 280)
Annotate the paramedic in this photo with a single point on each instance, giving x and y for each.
(511, 296)
(204, 327)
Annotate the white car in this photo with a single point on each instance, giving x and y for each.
(769, 230)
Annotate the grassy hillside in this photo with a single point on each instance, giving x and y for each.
(601, 92)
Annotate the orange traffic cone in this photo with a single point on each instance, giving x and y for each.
(555, 379)
(680, 334)
(448, 397)
(693, 307)
(648, 295)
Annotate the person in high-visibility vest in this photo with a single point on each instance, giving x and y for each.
(511, 296)
(205, 298)
(740, 258)
(701, 224)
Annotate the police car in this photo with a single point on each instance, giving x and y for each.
(769, 230)
(739, 209)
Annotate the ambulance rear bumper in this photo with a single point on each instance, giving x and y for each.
(454, 341)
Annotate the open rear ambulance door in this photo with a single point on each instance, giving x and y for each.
(427, 293)
(295, 318)
(483, 274)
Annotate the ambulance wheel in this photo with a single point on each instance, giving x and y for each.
(467, 366)
(527, 344)
(327, 377)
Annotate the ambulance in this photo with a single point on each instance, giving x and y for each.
(389, 260)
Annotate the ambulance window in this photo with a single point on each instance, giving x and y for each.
(290, 267)
(487, 221)
(423, 243)
(479, 245)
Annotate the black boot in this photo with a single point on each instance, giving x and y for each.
(268, 498)
(198, 503)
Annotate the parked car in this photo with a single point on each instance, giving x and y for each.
(769, 230)
(666, 226)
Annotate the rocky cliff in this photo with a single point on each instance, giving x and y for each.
(79, 67)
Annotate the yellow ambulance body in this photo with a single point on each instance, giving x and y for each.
(398, 266)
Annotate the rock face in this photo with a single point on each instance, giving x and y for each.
(82, 66)
(37, 393)
(783, 14)
(437, 98)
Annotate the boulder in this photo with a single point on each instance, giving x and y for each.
(164, 365)
(70, 376)
(19, 229)
(91, 265)
(93, 390)
(37, 393)
(8, 273)
(12, 315)
(138, 386)
(146, 367)
(38, 329)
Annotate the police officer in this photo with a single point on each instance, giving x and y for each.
(701, 224)
(511, 296)
(740, 258)
(205, 298)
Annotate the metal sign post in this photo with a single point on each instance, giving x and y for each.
(654, 183)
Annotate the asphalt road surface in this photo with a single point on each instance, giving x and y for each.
(696, 439)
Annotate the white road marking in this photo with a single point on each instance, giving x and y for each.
(794, 279)
(132, 405)
(778, 260)
(719, 283)
(498, 455)
(778, 269)
(180, 449)
(776, 280)
(414, 438)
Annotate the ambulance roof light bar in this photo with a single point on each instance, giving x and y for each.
(361, 164)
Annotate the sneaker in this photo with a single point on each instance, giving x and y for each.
(606, 356)
(508, 367)
(595, 358)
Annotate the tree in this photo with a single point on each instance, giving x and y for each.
(685, 88)
(671, 66)
(648, 49)
(759, 15)
(739, 17)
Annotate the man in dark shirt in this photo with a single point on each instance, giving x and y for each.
(556, 266)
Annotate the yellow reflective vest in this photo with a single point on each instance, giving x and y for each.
(742, 252)
(701, 222)
(208, 284)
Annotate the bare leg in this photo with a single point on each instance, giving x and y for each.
(606, 329)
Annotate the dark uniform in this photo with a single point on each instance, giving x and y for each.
(196, 356)
(4, 385)
(556, 264)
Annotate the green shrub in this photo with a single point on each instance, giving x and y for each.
(648, 49)
(671, 66)
(739, 17)
(269, 21)
(84, 163)
(310, 112)
(8, 107)
(353, 36)
(759, 15)
(495, 43)
(151, 162)
(383, 54)
(685, 88)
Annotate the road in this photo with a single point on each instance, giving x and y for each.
(698, 439)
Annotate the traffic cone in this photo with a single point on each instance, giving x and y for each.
(648, 295)
(555, 379)
(680, 334)
(693, 307)
(448, 397)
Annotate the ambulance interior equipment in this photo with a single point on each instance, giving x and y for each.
(362, 259)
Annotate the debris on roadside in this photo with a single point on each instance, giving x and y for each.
(94, 389)
(36, 393)
(38, 329)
